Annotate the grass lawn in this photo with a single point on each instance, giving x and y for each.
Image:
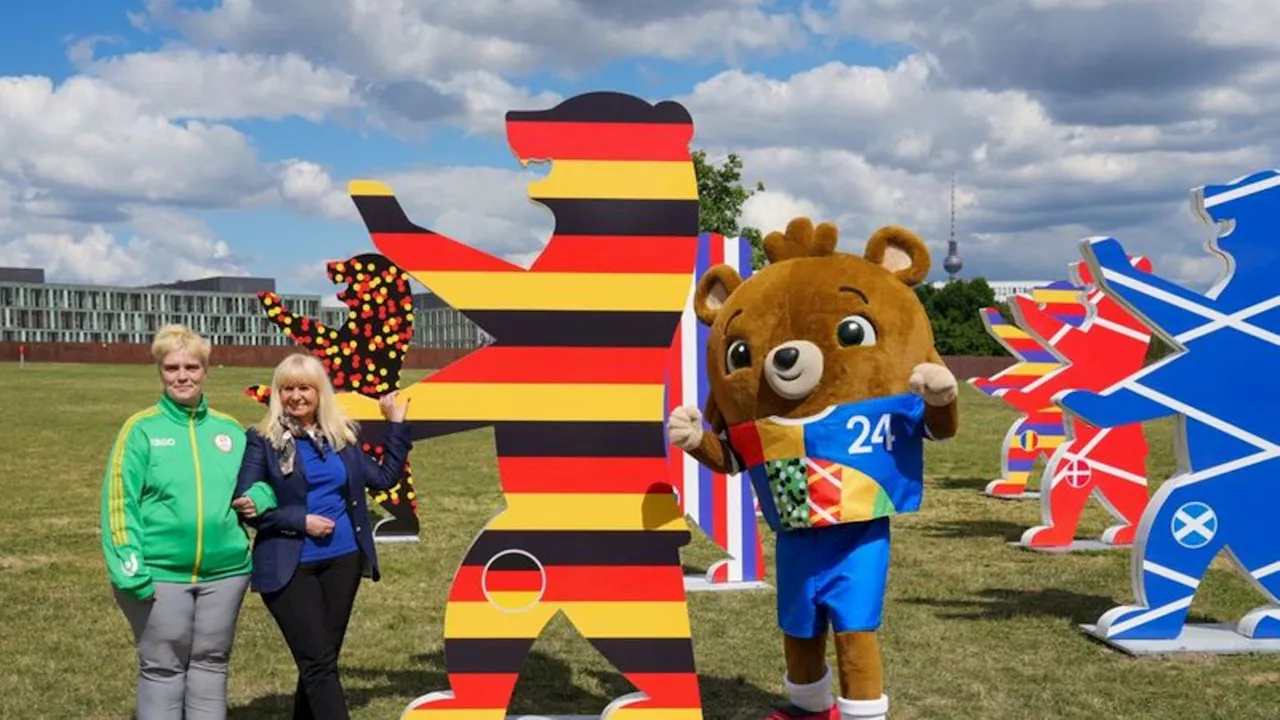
(973, 628)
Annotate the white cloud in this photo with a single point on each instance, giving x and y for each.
(87, 143)
(487, 98)
(103, 151)
(1093, 118)
(95, 258)
(866, 146)
(772, 210)
(311, 278)
(98, 176)
(164, 247)
(488, 208)
(430, 39)
(183, 82)
(475, 101)
(1116, 62)
(97, 179)
(309, 187)
(1237, 24)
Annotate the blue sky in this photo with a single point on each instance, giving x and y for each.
(834, 88)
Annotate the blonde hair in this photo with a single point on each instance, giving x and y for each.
(331, 421)
(173, 338)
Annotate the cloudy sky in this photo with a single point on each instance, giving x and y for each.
(154, 140)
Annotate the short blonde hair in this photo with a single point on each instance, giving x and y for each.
(172, 338)
(331, 421)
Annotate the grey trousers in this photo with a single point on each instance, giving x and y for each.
(184, 641)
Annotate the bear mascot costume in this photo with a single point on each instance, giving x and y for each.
(825, 382)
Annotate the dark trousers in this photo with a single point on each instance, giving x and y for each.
(312, 612)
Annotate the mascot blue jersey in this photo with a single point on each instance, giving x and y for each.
(850, 463)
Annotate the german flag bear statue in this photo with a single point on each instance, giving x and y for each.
(825, 382)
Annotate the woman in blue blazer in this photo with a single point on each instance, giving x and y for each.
(314, 541)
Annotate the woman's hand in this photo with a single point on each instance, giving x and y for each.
(319, 526)
(245, 507)
(392, 410)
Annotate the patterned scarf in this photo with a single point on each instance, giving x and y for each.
(292, 430)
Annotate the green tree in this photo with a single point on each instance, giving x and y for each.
(954, 310)
(720, 200)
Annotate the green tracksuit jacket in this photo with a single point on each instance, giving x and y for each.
(166, 499)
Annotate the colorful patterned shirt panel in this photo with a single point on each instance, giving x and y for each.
(850, 463)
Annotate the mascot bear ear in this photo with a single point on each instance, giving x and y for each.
(714, 289)
(901, 252)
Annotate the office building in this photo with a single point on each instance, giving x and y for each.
(1004, 289)
(224, 309)
(437, 325)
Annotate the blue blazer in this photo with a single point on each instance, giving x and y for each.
(280, 531)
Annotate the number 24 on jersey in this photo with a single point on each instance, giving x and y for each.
(866, 437)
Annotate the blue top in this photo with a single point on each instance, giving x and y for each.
(326, 485)
(277, 547)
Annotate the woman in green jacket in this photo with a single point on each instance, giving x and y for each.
(176, 555)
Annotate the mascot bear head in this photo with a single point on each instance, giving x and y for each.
(815, 327)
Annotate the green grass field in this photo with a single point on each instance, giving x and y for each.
(973, 628)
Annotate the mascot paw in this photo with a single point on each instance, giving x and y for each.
(934, 383)
(684, 428)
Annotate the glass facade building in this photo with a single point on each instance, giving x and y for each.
(437, 325)
(1005, 289)
(223, 309)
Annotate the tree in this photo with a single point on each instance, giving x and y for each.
(720, 200)
(954, 311)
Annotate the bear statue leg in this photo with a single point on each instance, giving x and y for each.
(1254, 545)
(1066, 486)
(1017, 462)
(1125, 497)
(401, 522)
(491, 620)
(649, 641)
(661, 669)
(1190, 520)
(1263, 623)
(1120, 471)
(1179, 539)
(402, 518)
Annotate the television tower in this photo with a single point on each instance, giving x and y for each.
(952, 264)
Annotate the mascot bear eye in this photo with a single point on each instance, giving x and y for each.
(737, 356)
(855, 330)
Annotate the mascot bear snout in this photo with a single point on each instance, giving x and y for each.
(793, 369)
